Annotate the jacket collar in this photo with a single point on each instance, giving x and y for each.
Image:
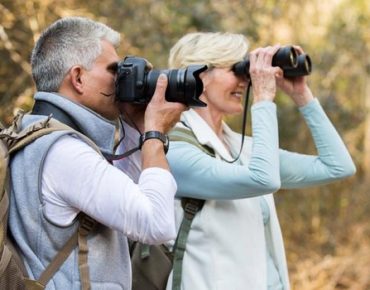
(206, 136)
(97, 128)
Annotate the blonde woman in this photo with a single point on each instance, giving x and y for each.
(235, 241)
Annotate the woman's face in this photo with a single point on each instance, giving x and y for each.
(223, 91)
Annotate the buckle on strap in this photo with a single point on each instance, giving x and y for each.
(192, 206)
(87, 224)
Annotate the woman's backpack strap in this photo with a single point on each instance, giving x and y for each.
(191, 207)
(186, 135)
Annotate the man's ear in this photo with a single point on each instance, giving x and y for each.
(75, 74)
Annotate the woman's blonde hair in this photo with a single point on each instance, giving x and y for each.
(214, 49)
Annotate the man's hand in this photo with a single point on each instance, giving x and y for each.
(158, 115)
(161, 115)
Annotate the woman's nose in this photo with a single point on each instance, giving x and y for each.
(243, 83)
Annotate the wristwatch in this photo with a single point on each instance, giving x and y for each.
(155, 135)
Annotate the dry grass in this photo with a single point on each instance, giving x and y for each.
(347, 269)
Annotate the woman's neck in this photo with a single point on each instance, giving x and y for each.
(213, 119)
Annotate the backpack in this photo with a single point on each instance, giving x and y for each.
(13, 275)
(152, 264)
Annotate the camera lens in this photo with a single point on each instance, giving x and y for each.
(136, 82)
(184, 85)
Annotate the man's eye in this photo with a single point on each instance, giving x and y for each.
(113, 67)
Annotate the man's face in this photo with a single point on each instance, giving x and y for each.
(99, 89)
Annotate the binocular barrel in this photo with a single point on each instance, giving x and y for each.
(287, 58)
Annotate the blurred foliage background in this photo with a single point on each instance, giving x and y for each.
(326, 229)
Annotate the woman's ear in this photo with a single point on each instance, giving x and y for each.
(205, 77)
(75, 74)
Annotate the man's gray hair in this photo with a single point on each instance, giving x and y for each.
(67, 42)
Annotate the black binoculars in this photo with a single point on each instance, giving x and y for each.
(287, 58)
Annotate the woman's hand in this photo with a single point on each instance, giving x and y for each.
(295, 87)
(263, 74)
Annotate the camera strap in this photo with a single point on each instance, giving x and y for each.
(245, 111)
(113, 157)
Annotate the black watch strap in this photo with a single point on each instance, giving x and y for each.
(155, 135)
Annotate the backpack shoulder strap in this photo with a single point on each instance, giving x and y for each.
(16, 139)
(190, 205)
(186, 135)
(152, 264)
(140, 253)
(87, 224)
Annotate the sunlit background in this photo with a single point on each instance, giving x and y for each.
(326, 229)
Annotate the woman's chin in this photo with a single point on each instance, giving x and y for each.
(235, 111)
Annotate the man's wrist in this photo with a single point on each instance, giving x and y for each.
(155, 135)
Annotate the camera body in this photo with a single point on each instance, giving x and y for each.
(136, 82)
(287, 58)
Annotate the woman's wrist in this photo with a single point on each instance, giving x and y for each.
(303, 99)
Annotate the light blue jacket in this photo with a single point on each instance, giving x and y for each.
(232, 217)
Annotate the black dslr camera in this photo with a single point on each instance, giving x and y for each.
(136, 82)
(287, 58)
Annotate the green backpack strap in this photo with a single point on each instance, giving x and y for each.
(190, 205)
(186, 135)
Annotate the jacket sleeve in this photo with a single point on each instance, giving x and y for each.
(199, 175)
(333, 161)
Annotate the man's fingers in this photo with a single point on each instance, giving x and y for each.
(160, 89)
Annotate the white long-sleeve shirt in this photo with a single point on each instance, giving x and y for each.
(75, 178)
